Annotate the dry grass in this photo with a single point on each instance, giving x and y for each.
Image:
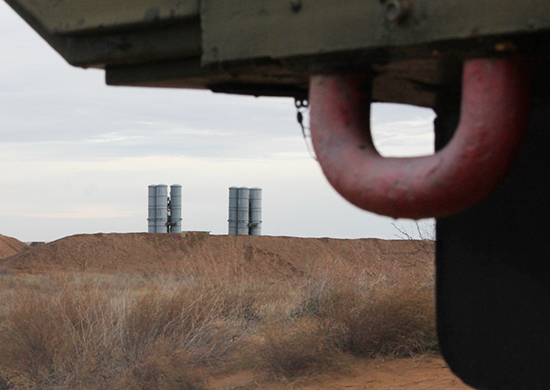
(84, 331)
(296, 350)
(395, 321)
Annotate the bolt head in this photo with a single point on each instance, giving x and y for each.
(396, 11)
(295, 5)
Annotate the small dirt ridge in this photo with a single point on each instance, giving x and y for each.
(10, 246)
(277, 257)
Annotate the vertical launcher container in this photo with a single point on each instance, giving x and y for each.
(233, 207)
(164, 213)
(152, 213)
(175, 208)
(161, 205)
(255, 225)
(245, 211)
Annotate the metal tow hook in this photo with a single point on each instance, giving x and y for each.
(494, 117)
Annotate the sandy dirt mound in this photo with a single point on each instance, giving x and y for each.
(405, 374)
(10, 246)
(283, 257)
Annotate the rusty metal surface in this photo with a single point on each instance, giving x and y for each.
(494, 115)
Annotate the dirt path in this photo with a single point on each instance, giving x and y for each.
(403, 374)
(397, 374)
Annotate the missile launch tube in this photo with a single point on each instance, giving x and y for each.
(243, 213)
(175, 208)
(255, 212)
(161, 225)
(151, 218)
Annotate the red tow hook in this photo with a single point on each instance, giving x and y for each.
(494, 118)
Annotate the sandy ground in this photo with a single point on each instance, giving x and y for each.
(403, 374)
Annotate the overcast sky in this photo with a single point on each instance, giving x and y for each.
(77, 156)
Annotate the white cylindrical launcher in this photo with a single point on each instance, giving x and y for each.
(175, 208)
(255, 225)
(151, 215)
(161, 209)
(233, 207)
(243, 211)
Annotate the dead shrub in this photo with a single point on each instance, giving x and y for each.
(385, 321)
(5, 270)
(167, 332)
(295, 350)
(84, 337)
(163, 368)
(54, 340)
(189, 318)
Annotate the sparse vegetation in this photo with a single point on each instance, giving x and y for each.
(99, 331)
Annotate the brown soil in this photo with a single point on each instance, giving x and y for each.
(273, 257)
(10, 246)
(279, 257)
(401, 374)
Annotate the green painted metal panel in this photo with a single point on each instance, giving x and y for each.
(99, 48)
(270, 47)
(70, 16)
(276, 29)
